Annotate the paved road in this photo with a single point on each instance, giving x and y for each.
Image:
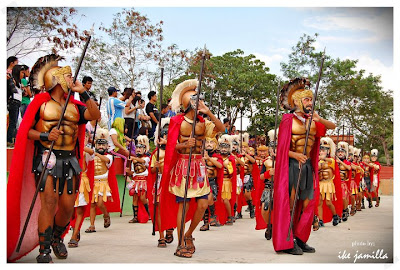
(365, 233)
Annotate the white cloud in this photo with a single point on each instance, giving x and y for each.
(376, 67)
(269, 60)
(379, 26)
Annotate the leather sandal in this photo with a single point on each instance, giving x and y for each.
(190, 247)
(169, 236)
(182, 252)
(107, 221)
(91, 229)
(162, 243)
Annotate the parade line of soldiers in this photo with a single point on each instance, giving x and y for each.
(297, 183)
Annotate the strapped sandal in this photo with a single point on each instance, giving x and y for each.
(73, 243)
(315, 224)
(214, 221)
(230, 221)
(205, 227)
(353, 211)
(182, 252)
(169, 236)
(44, 256)
(134, 220)
(107, 221)
(191, 248)
(162, 243)
(91, 229)
(59, 248)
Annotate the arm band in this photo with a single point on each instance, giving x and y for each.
(84, 96)
(44, 136)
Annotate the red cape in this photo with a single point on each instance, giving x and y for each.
(220, 209)
(302, 223)
(112, 206)
(260, 222)
(255, 173)
(375, 193)
(327, 214)
(21, 183)
(168, 205)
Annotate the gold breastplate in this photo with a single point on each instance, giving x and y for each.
(185, 132)
(50, 113)
(211, 169)
(139, 167)
(237, 165)
(299, 136)
(100, 166)
(325, 170)
(227, 175)
(344, 173)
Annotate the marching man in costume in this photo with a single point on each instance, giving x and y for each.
(365, 165)
(376, 175)
(292, 131)
(345, 176)
(162, 241)
(214, 166)
(359, 178)
(330, 200)
(176, 164)
(263, 202)
(355, 179)
(251, 176)
(227, 187)
(138, 183)
(239, 160)
(52, 213)
(102, 191)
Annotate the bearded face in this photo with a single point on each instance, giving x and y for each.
(235, 147)
(341, 154)
(101, 146)
(224, 149)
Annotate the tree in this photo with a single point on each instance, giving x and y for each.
(41, 29)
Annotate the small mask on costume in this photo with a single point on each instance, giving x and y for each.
(52, 159)
(140, 149)
(101, 146)
(224, 149)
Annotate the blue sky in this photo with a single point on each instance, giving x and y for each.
(270, 32)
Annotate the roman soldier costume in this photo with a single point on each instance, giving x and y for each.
(345, 176)
(138, 183)
(63, 170)
(213, 173)
(263, 202)
(226, 182)
(292, 133)
(330, 205)
(365, 165)
(376, 176)
(262, 154)
(177, 159)
(359, 177)
(239, 176)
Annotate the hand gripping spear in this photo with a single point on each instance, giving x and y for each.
(129, 155)
(158, 152)
(191, 148)
(51, 146)
(269, 225)
(305, 147)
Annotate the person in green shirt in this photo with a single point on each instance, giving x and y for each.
(26, 90)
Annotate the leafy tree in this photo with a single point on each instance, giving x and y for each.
(41, 29)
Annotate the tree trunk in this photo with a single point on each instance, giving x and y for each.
(384, 145)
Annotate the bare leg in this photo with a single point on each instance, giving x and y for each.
(179, 220)
(202, 205)
(331, 206)
(320, 208)
(79, 217)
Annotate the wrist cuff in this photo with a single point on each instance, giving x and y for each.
(44, 136)
(84, 96)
